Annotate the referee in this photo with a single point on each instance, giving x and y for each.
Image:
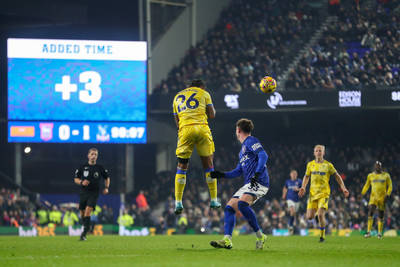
(88, 177)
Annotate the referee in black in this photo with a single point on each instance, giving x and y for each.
(88, 177)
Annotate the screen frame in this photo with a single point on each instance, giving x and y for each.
(79, 37)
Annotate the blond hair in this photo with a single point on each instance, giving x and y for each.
(321, 146)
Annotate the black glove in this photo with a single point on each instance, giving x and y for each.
(254, 180)
(217, 174)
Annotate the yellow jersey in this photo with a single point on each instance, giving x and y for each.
(381, 185)
(320, 174)
(190, 106)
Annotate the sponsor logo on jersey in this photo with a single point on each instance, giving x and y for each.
(318, 173)
(378, 181)
(243, 159)
(256, 146)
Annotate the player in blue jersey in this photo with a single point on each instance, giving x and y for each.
(252, 166)
(290, 193)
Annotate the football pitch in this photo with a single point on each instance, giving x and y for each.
(194, 250)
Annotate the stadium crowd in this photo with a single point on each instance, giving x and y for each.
(229, 61)
(360, 51)
(18, 210)
(353, 163)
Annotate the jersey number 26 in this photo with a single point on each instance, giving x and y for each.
(184, 103)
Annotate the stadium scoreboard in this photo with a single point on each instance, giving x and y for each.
(77, 91)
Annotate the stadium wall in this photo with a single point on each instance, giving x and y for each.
(112, 229)
(171, 48)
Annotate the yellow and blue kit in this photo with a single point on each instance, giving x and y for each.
(319, 186)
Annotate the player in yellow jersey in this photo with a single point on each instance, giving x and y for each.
(320, 170)
(381, 188)
(192, 109)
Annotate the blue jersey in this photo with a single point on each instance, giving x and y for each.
(252, 159)
(291, 186)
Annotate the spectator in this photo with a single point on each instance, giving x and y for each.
(70, 218)
(141, 201)
(125, 219)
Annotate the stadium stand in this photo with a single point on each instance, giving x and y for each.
(360, 51)
(230, 63)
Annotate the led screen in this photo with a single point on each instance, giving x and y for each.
(76, 81)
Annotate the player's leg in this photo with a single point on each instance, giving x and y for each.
(381, 217)
(208, 167)
(184, 150)
(91, 204)
(205, 148)
(86, 221)
(180, 182)
(229, 223)
(291, 206)
(82, 207)
(371, 211)
(245, 201)
(322, 223)
(292, 214)
(312, 207)
(322, 208)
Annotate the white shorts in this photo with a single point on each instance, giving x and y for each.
(259, 191)
(291, 203)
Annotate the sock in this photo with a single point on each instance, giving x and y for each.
(180, 182)
(212, 184)
(230, 220)
(322, 232)
(291, 220)
(249, 214)
(380, 226)
(86, 224)
(370, 221)
(259, 233)
(228, 236)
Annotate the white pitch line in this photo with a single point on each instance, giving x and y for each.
(67, 256)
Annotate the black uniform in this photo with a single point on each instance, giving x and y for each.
(89, 194)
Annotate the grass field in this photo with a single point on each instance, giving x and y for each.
(195, 250)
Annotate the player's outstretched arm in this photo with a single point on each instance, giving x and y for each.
(284, 192)
(389, 186)
(339, 180)
(217, 174)
(302, 190)
(231, 174)
(366, 186)
(106, 185)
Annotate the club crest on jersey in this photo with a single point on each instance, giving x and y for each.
(96, 175)
(243, 149)
(85, 173)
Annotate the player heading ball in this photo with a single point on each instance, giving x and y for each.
(192, 109)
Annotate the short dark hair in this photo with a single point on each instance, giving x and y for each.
(245, 125)
(197, 83)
